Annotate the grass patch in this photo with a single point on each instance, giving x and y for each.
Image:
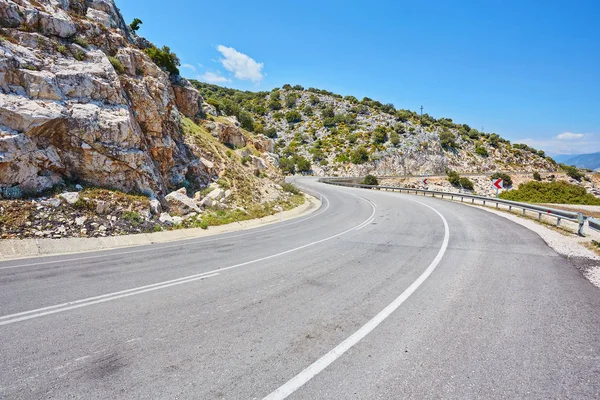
(116, 63)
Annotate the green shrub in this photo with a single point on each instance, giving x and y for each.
(481, 151)
(135, 25)
(453, 177)
(494, 140)
(379, 135)
(302, 164)
(465, 183)
(551, 192)
(359, 156)
(246, 121)
(505, 177)
(132, 217)
(537, 176)
(271, 133)
(81, 41)
(293, 116)
(287, 165)
(290, 188)
(275, 105)
(62, 49)
(572, 171)
(164, 58)
(116, 63)
(245, 160)
(328, 112)
(447, 140)
(370, 180)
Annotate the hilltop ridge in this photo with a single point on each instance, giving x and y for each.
(329, 134)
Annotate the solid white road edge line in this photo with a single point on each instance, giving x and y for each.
(40, 312)
(187, 243)
(296, 382)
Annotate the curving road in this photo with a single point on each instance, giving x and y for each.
(375, 296)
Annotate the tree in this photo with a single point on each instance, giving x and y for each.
(494, 140)
(164, 58)
(537, 176)
(135, 25)
(328, 112)
(359, 156)
(275, 105)
(246, 121)
(370, 180)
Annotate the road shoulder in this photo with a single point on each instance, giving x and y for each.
(27, 248)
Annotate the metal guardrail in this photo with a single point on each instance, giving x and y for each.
(593, 223)
(540, 210)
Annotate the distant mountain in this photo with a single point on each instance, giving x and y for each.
(589, 161)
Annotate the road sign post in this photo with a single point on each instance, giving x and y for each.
(498, 184)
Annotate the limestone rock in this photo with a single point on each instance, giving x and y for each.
(165, 218)
(263, 144)
(70, 197)
(180, 204)
(187, 98)
(230, 135)
(155, 207)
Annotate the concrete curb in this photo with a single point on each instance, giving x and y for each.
(27, 248)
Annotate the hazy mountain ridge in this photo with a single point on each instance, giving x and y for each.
(587, 161)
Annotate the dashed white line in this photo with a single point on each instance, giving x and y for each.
(40, 312)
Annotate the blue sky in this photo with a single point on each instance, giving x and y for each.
(527, 70)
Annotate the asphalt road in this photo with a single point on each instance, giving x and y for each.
(375, 296)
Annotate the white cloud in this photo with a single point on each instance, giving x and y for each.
(242, 66)
(189, 66)
(212, 77)
(570, 136)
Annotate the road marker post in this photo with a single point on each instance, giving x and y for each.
(498, 184)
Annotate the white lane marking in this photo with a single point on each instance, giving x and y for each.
(188, 243)
(88, 302)
(307, 374)
(40, 312)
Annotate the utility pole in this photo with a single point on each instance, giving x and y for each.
(421, 113)
(421, 125)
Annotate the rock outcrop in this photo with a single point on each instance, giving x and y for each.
(79, 101)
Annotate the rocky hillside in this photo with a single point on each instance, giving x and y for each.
(328, 134)
(85, 103)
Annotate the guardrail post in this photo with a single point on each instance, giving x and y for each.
(509, 208)
(484, 202)
(581, 220)
(557, 221)
(497, 205)
(539, 216)
(472, 201)
(462, 199)
(524, 211)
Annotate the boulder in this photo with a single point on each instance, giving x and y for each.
(216, 195)
(70, 197)
(180, 204)
(165, 218)
(155, 207)
(230, 135)
(263, 144)
(258, 163)
(102, 207)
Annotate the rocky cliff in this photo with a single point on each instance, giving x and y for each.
(81, 101)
